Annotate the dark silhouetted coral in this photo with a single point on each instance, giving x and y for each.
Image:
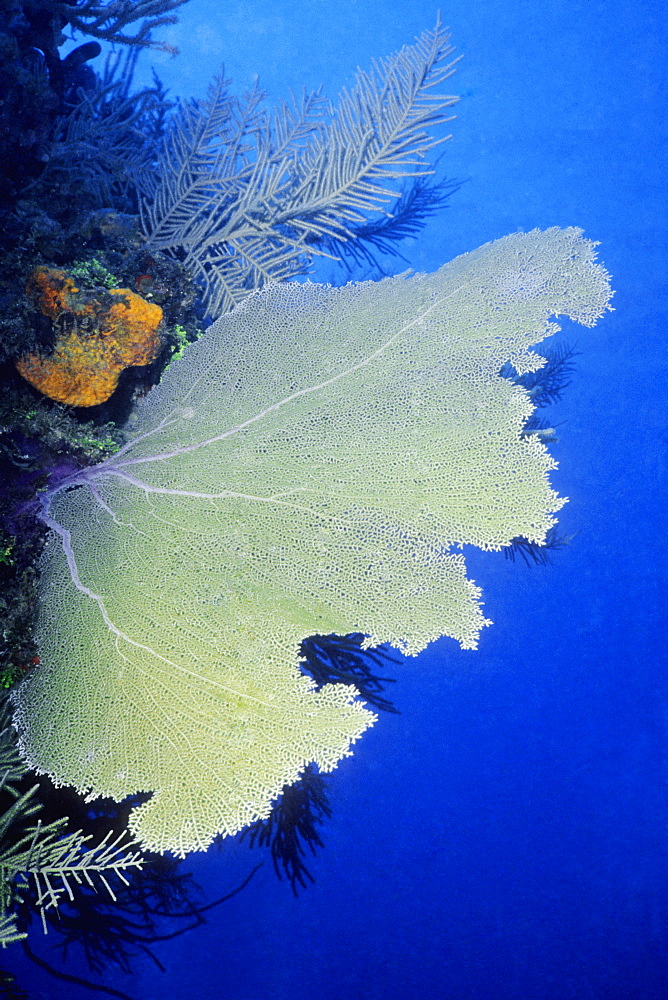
(342, 659)
(291, 827)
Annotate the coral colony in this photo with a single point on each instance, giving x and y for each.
(301, 470)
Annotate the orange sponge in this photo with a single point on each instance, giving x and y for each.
(102, 333)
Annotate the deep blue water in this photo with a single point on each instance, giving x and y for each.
(505, 837)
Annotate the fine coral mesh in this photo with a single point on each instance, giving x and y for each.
(313, 465)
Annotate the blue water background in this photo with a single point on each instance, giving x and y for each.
(505, 837)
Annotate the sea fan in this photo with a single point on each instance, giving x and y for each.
(312, 466)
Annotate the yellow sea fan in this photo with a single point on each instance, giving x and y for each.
(312, 465)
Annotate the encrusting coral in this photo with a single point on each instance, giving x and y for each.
(102, 332)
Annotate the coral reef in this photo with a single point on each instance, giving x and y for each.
(44, 854)
(244, 197)
(128, 220)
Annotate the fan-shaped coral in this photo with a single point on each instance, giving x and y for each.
(312, 466)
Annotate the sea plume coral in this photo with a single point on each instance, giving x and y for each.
(244, 198)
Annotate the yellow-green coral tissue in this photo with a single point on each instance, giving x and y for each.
(312, 465)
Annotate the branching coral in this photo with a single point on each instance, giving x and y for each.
(108, 19)
(244, 198)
